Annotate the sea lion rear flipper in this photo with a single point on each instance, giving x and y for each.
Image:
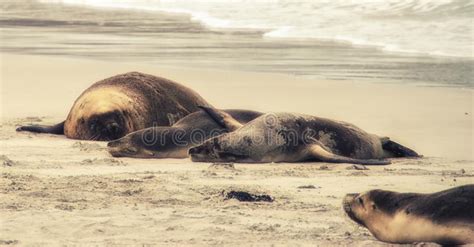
(222, 118)
(319, 152)
(398, 150)
(57, 129)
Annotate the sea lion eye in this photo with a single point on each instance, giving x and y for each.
(374, 207)
(361, 201)
(93, 125)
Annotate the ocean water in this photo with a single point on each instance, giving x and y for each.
(404, 41)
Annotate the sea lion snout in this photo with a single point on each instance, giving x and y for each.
(193, 151)
(121, 148)
(198, 153)
(351, 196)
(347, 201)
(114, 144)
(350, 206)
(206, 152)
(112, 128)
(107, 127)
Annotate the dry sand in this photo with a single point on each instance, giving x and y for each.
(56, 191)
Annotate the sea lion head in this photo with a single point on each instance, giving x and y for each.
(223, 148)
(366, 207)
(369, 208)
(359, 207)
(377, 209)
(107, 126)
(100, 115)
(139, 144)
(128, 146)
(209, 151)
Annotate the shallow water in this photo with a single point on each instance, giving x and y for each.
(204, 35)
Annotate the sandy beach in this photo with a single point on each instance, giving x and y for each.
(57, 191)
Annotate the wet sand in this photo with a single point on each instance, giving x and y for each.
(57, 191)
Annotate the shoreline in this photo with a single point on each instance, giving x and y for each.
(197, 69)
(161, 38)
(205, 19)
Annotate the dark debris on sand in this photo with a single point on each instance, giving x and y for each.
(6, 161)
(308, 187)
(357, 167)
(246, 196)
(8, 242)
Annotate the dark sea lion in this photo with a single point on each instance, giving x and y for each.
(291, 137)
(445, 217)
(116, 106)
(174, 141)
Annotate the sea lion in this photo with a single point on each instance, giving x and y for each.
(116, 106)
(174, 141)
(445, 217)
(292, 137)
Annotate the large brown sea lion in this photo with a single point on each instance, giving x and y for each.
(116, 106)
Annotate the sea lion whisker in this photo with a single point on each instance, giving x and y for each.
(95, 137)
(91, 138)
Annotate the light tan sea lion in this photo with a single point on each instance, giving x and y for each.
(116, 106)
(445, 217)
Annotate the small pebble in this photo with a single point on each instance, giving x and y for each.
(324, 167)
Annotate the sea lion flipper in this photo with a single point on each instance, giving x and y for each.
(398, 150)
(319, 152)
(222, 118)
(57, 129)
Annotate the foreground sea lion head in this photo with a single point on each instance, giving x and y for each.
(446, 217)
(367, 208)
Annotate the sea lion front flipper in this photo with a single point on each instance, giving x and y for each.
(57, 129)
(222, 118)
(321, 153)
(397, 149)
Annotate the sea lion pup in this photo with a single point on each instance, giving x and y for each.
(174, 141)
(445, 217)
(292, 137)
(116, 106)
